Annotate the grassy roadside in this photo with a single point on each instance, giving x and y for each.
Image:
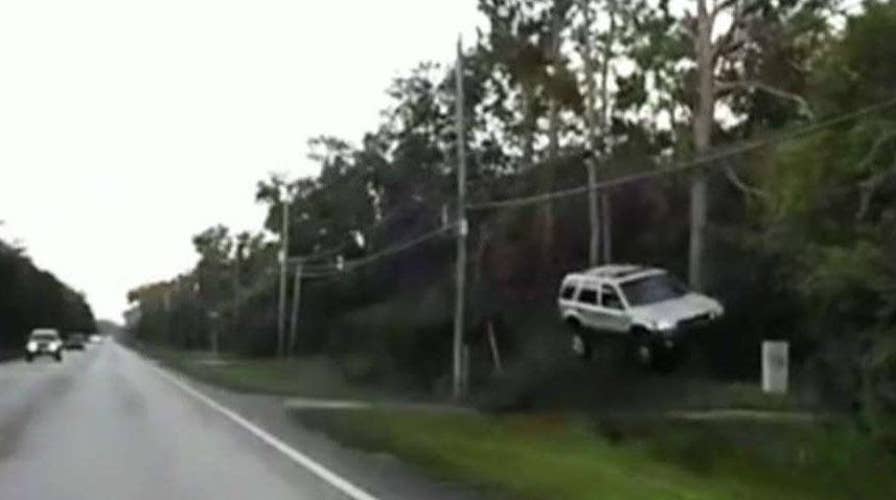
(313, 377)
(6, 355)
(563, 457)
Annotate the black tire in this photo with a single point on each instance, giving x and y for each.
(29, 359)
(666, 359)
(580, 344)
(58, 357)
(644, 351)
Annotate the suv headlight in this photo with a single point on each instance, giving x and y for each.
(664, 325)
(31, 346)
(55, 345)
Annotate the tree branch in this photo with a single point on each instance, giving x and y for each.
(727, 42)
(719, 7)
(868, 186)
(742, 186)
(722, 87)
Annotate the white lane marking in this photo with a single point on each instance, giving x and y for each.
(325, 404)
(296, 456)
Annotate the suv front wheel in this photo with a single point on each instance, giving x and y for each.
(645, 351)
(648, 353)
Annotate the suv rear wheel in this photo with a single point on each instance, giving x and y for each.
(581, 346)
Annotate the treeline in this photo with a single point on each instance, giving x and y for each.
(32, 298)
(795, 232)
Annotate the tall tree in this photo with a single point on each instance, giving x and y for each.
(526, 46)
(712, 53)
(831, 214)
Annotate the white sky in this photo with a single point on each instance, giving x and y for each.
(128, 126)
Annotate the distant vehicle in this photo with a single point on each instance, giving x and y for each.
(648, 305)
(75, 341)
(43, 341)
(96, 339)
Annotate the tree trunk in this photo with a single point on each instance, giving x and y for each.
(702, 127)
(605, 126)
(548, 171)
(479, 255)
(607, 237)
(593, 215)
(591, 128)
(529, 124)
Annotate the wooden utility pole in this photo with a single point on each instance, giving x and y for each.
(284, 261)
(702, 127)
(296, 302)
(236, 290)
(460, 279)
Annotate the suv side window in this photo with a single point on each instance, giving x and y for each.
(609, 298)
(568, 291)
(588, 296)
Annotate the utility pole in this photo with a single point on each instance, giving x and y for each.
(236, 289)
(296, 302)
(213, 331)
(460, 279)
(284, 261)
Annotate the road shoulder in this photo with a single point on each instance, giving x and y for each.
(382, 475)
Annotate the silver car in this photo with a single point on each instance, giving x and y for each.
(649, 305)
(44, 342)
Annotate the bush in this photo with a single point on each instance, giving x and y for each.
(407, 337)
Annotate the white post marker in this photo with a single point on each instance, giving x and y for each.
(775, 354)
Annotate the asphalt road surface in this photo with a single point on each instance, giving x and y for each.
(107, 424)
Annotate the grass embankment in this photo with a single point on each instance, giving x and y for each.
(312, 377)
(561, 457)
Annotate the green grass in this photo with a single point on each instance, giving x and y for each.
(310, 377)
(561, 457)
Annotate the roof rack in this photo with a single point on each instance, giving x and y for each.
(615, 271)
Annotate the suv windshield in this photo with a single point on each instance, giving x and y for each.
(46, 336)
(651, 289)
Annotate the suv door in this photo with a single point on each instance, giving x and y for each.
(610, 314)
(587, 305)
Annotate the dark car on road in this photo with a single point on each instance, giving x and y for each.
(43, 342)
(75, 341)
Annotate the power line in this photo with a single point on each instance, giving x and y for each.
(268, 279)
(684, 166)
(386, 252)
(336, 249)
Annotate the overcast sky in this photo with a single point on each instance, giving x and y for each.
(128, 126)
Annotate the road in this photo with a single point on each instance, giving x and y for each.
(106, 423)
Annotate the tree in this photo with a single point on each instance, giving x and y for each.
(830, 213)
(32, 298)
(729, 54)
(525, 45)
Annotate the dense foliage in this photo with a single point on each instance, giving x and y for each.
(32, 298)
(798, 233)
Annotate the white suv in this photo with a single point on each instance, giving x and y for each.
(43, 341)
(647, 304)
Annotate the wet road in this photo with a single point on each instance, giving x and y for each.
(105, 424)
